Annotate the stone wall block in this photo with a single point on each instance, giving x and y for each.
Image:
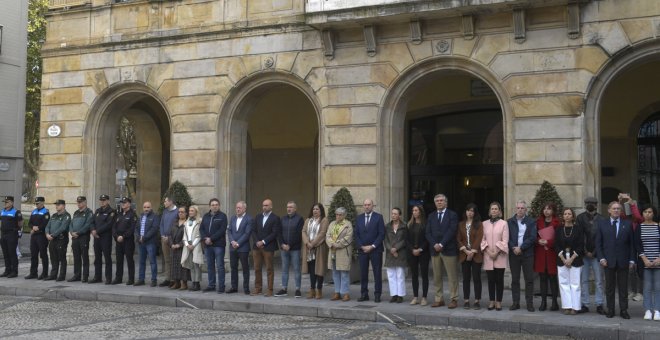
(194, 104)
(193, 159)
(61, 64)
(490, 45)
(421, 51)
(555, 173)
(608, 35)
(194, 123)
(96, 79)
(192, 69)
(195, 177)
(638, 30)
(97, 60)
(112, 76)
(66, 79)
(139, 56)
(547, 128)
(252, 63)
(61, 178)
(464, 47)
(349, 175)
(159, 73)
(62, 96)
(351, 135)
(350, 155)
(558, 105)
(194, 141)
(590, 58)
(64, 112)
(306, 61)
(284, 61)
(231, 67)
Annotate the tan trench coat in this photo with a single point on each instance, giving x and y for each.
(343, 246)
(318, 246)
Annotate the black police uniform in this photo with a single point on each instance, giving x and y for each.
(104, 219)
(39, 243)
(125, 224)
(12, 221)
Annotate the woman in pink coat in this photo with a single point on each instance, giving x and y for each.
(495, 248)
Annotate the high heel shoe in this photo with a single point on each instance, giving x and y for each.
(491, 306)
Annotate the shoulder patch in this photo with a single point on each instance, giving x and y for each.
(47, 216)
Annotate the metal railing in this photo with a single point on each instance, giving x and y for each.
(67, 3)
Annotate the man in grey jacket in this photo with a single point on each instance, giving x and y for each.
(166, 221)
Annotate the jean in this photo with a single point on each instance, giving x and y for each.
(144, 250)
(652, 289)
(591, 264)
(288, 257)
(341, 280)
(215, 258)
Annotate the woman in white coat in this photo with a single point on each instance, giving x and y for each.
(193, 257)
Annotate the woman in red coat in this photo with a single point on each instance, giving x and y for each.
(545, 258)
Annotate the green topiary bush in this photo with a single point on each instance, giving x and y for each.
(343, 198)
(179, 194)
(547, 193)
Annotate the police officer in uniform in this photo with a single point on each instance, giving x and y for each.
(12, 221)
(81, 224)
(57, 232)
(123, 232)
(104, 218)
(38, 242)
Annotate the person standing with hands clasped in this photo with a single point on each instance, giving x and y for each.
(81, 223)
(469, 236)
(193, 256)
(569, 245)
(441, 228)
(648, 247)
(38, 242)
(57, 233)
(123, 232)
(395, 259)
(369, 235)
(418, 254)
(495, 246)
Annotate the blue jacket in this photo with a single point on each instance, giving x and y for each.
(291, 232)
(214, 226)
(618, 251)
(242, 235)
(372, 234)
(529, 238)
(150, 228)
(167, 220)
(442, 232)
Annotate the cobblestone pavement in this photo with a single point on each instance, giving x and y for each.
(38, 318)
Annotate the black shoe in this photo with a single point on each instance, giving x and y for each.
(31, 276)
(196, 287)
(543, 306)
(376, 299)
(393, 299)
(247, 292)
(281, 292)
(42, 277)
(600, 310)
(50, 278)
(609, 314)
(108, 281)
(363, 298)
(555, 305)
(116, 281)
(624, 314)
(165, 283)
(61, 278)
(138, 283)
(514, 306)
(130, 282)
(530, 307)
(154, 283)
(5, 274)
(12, 275)
(298, 294)
(95, 280)
(221, 291)
(83, 280)
(399, 299)
(208, 289)
(73, 279)
(583, 310)
(232, 291)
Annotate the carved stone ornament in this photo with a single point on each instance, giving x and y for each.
(269, 62)
(442, 46)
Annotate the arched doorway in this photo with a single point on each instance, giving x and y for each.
(451, 130)
(141, 108)
(270, 143)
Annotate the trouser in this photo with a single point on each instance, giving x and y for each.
(495, 284)
(57, 248)
(471, 270)
(103, 253)
(80, 250)
(288, 258)
(652, 289)
(589, 264)
(234, 257)
(316, 281)
(636, 278)
(396, 277)
(215, 258)
(167, 257)
(38, 249)
(261, 256)
(419, 264)
(449, 264)
(196, 272)
(614, 277)
(569, 287)
(126, 248)
(526, 263)
(8, 242)
(376, 259)
(341, 280)
(554, 286)
(147, 249)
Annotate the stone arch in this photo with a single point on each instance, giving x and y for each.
(152, 121)
(233, 130)
(622, 61)
(392, 117)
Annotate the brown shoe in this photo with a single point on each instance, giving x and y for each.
(319, 294)
(255, 292)
(346, 298)
(184, 285)
(335, 297)
(175, 285)
(438, 304)
(453, 304)
(268, 293)
(311, 294)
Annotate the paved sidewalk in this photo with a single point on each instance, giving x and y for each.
(584, 326)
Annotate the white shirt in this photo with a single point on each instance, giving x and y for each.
(239, 219)
(522, 227)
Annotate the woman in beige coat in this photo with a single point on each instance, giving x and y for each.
(193, 257)
(495, 247)
(314, 250)
(340, 241)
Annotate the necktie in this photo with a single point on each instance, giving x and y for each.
(439, 216)
(368, 217)
(614, 224)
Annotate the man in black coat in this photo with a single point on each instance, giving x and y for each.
(267, 226)
(104, 219)
(522, 236)
(213, 231)
(123, 232)
(38, 242)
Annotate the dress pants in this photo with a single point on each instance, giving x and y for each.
(167, 258)
(420, 264)
(57, 248)
(396, 277)
(234, 257)
(125, 249)
(614, 277)
(471, 270)
(495, 284)
(526, 263)
(103, 253)
(569, 287)
(315, 281)
(260, 257)
(376, 259)
(80, 249)
(449, 263)
(9, 241)
(38, 249)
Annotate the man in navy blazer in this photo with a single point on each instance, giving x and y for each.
(441, 227)
(239, 231)
(145, 234)
(615, 251)
(213, 231)
(266, 228)
(369, 235)
(522, 236)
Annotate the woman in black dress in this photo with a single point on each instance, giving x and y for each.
(180, 275)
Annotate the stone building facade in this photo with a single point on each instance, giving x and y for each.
(395, 99)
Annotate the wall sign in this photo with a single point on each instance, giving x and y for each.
(54, 130)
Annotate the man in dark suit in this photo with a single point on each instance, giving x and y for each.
(369, 235)
(267, 226)
(146, 233)
(441, 227)
(239, 231)
(615, 251)
(522, 236)
(213, 231)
